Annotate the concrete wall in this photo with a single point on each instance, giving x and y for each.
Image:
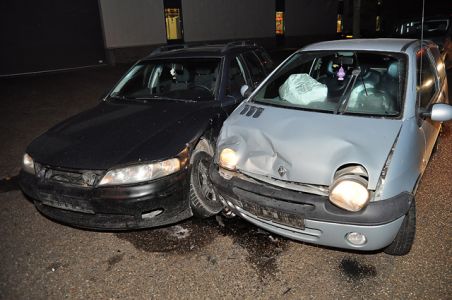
(130, 23)
(310, 17)
(228, 19)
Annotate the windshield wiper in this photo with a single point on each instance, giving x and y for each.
(127, 98)
(361, 73)
(346, 94)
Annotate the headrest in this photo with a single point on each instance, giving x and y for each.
(393, 69)
(329, 68)
(182, 75)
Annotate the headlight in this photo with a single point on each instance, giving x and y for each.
(28, 164)
(140, 173)
(228, 159)
(350, 193)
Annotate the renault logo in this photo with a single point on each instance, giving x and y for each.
(282, 171)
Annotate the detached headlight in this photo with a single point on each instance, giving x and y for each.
(28, 165)
(140, 173)
(228, 159)
(350, 192)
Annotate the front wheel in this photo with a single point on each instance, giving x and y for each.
(405, 237)
(203, 200)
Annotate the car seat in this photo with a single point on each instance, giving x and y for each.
(372, 94)
(203, 77)
(390, 80)
(181, 79)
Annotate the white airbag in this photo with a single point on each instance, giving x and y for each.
(302, 89)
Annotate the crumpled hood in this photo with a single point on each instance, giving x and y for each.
(310, 146)
(113, 134)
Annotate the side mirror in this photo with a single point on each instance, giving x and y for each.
(441, 112)
(246, 91)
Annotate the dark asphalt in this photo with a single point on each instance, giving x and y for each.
(41, 259)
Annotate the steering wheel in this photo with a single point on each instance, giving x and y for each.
(197, 85)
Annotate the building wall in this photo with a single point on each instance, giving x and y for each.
(130, 23)
(310, 17)
(232, 19)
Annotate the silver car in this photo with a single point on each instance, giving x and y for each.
(330, 148)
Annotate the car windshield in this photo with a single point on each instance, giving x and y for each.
(177, 79)
(346, 82)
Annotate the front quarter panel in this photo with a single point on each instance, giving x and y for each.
(407, 163)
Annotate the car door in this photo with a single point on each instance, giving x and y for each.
(428, 92)
(265, 60)
(255, 68)
(234, 77)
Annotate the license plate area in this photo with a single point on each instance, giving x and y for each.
(274, 215)
(66, 203)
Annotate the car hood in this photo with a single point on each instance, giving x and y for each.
(309, 146)
(114, 134)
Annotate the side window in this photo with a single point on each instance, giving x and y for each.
(265, 60)
(235, 78)
(439, 63)
(255, 67)
(426, 79)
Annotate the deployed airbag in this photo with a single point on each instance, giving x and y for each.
(302, 89)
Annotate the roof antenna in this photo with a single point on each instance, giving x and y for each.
(422, 43)
(422, 22)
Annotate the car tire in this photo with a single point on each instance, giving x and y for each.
(405, 237)
(203, 200)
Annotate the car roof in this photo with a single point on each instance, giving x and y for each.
(204, 51)
(384, 44)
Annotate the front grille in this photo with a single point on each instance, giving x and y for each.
(83, 178)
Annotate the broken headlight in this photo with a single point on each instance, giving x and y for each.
(228, 159)
(140, 173)
(350, 192)
(28, 165)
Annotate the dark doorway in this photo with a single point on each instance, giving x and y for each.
(49, 35)
(173, 21)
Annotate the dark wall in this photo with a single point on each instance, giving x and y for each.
(49, 35)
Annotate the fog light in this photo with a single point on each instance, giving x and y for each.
(356, 238)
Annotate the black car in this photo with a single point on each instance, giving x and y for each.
(435, 28)
(140, 157)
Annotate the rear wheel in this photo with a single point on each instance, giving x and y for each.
(203, 200)
(405, 237)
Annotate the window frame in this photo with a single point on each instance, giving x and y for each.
(254, 82)
(437, 79)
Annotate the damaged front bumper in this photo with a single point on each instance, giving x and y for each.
(308, 217)
(156, 203)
